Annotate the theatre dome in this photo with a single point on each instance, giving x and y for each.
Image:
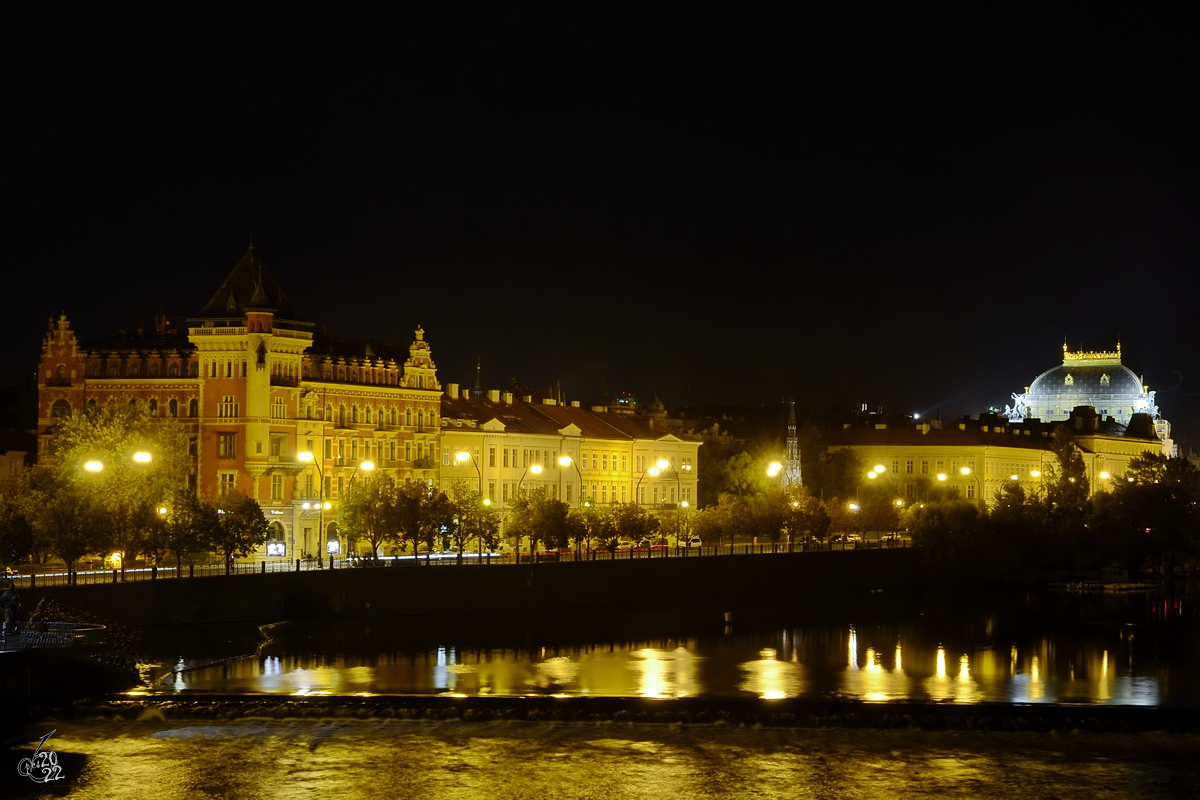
(1096, 379)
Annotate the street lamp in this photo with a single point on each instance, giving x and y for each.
(565, 461)
(536, 469)
(321, 505)
(968, 471)
(653, 473)
(462, 457)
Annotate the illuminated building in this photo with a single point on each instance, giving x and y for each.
(991, 449)
(614, 457)
(257, 386)
(1095, 379)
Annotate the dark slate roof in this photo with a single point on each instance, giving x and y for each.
(249, 286)
(325, 345)
(1086, 380)
(133, 341)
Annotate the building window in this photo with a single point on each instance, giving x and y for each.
(227, 407)
(392, 450)
(227, 481)
(624, 464)
(583, 460)
(924, 467)
(604, 461)
(908, 467)
(226, 445)
(278, 409)
(276, 487)
(492, 491)
(408, 451)
(172, 407)
(491, 456)
(277, 444)
(445, 456)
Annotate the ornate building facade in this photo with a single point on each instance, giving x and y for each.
(259, 391)
(572, 453)
(980, 456)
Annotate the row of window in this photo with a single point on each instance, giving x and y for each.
(134, 369)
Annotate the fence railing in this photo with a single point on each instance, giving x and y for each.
(85, 577)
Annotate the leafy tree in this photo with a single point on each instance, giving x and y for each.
(540, 518)
(240, 530)
(367, 512)
(634, 522)
(806, 516)
(840, 473)
(189, 525)
(592, 525)
(1158, 503)
(408, 510)
(477, 520)
(17, 540)
(68, 518)
(1066, 483)
(129, 486)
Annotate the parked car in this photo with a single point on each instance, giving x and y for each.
(695, 541)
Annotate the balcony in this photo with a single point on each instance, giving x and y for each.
(284, 380)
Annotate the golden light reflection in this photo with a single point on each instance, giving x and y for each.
(1036, 689)
(852, 649)
(770, 678)
(662, 673)
(941, 662)
(899, 659)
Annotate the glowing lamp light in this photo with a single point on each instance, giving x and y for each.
(965, 470)
(162, 509)
(663, 463)
(652, 472)
(941, 476)
(536, 469)
(93, 466)
(879, 468)
(872, 475)
(1035, 473)
(463, 456)
(854, 506)
(1104, 476)
(367, 466)
(899, 503)
(142, 457)
(487, 502)
(327, 505)
(564, 461)
(1013, 477)
(684, 504)
(305, 456)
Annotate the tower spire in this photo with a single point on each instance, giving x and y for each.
(791, 471)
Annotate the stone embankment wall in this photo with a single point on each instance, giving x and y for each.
(421, 590)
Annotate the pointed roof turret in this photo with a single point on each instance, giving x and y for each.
(250, 286)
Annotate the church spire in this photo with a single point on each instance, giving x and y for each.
(791, 471)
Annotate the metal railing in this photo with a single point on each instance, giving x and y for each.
(473, 558)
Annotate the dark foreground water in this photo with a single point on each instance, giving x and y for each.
(491, 761)
(323, 709)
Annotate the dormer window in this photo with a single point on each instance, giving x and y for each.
(1104, 380)
(1069, 380)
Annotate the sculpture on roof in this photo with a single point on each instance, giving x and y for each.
(1019, 410)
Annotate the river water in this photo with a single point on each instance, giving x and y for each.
(1027, 651)
(1128, 649)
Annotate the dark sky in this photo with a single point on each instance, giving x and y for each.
(909, 212)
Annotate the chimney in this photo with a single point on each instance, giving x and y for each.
(494, 395)
(574, 404)
(466, 394)
(507, 398)
(528, 398)
(452, 390)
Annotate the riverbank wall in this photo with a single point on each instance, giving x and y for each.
(668, 583)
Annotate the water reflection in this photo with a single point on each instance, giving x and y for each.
(991, 661)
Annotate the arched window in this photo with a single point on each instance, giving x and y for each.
(408, 417)
(61, 373)
(93, 369)
(354, 414)
(133, 370)
(92, 404)
(393, 416)
(154, 370)
(194, 369)
(193, 407)
(112, 370)
(329, 411)
(172, 407)
(153, 405)
(342, 414)
(173, 369)
(62, 408)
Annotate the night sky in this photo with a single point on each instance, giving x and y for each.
(724, 207)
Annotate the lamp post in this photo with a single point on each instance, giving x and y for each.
(463, 457)
(565, 461)
(142, 457)
(321, 505)
(365, 466)
(653, 473)
(968, 471)
(536, 469)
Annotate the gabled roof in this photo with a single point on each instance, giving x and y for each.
(250, 286)
(521, 417)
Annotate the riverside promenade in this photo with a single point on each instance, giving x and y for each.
(409, 587)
